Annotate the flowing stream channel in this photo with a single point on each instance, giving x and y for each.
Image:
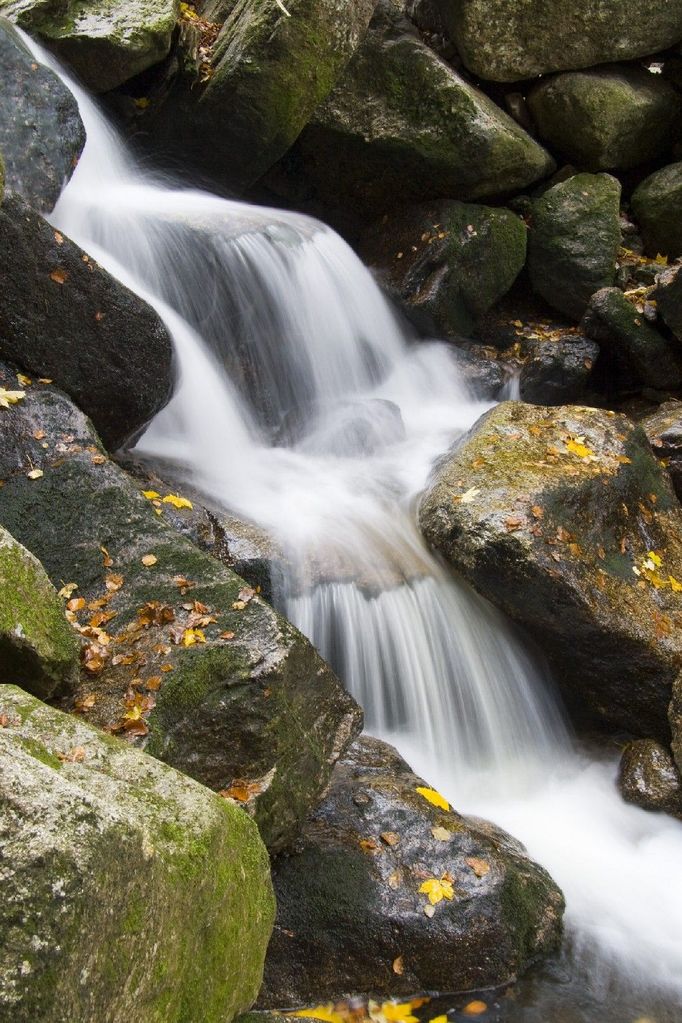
(303, 405)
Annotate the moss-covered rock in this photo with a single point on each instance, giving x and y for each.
(573, 241)
(349, 899)
(564, 519)
(243, 704)
(105, 42)
(131, 893)
(664, 432)
(38, 648)
(657, 205)
(402, 126)
(447, 263)
(65, 318)
(41, 133)
(648, 777)
(618, 326)
(506, 40)
(607, 119)
(668, 298)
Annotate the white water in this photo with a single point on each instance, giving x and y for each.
(304, 442)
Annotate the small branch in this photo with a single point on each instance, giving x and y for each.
(282, 7)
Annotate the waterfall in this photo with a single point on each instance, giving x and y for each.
(303, 406)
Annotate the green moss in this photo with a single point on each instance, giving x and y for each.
(40, 752)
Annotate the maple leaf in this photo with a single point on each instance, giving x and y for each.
(191, 637)
(675, 586)
(322, 1012)
(433, 797)
(397, 1012)
(151, 495)
(177, 501)
(577, 447)
(437, 889)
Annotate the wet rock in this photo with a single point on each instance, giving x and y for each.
(619, 327)
(102, 916)
(668, 297)
(349, 900)
(664, 431)
(447, 263)
(648, 777)
(564, 519)
(609, 118)
(38, 647)
(104, 43)
(675, 719)
(243, 704)
(481, 369)
(65, 318)
(402, 126)
(41, 133)
(558, 368)
(506, 41)
(657, 205)
(574, 240)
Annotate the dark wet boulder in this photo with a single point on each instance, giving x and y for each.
(38, 648)
(621, 329)
(180, 655)
(657, 206)
(41, 133)
(664, 431)
(482, 370)
(557, 367)
(447, 263)
(506, 41)
(65, 318)
(573, 241)
(104, 43)
(668, 298)
(130, 892)
(607, 119)
(353, 895)
(648, 777)
(565, 520)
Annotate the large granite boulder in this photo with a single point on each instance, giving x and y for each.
(657, 205)
(664, 432)
(105, 43)
(648, 777)
(505, 40)
(129, 891)
(180, 655)
(564, 519)
(41, 133)
(65, 318)
(390, 890)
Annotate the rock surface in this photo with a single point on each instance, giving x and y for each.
(573, 241)
(648, 777)
(105, 43)
(668, 297)
(65, 318)
(103, 849)
(603, 119)
(41, 133)
(506, 41)
(349, 900)
(564, 519)
(243, 704)
(558, 368)
(664, 431)
(657, 205)
(38, 647)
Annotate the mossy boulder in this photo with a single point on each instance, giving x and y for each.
(65, 318)
(41, 133)
(618, 326)
(350, 905)
(105, 42)
(573, 241)
(607, 118)
(447, 263)
(181, 656)
(648, 777)
(664, 432)
(657, 206)
(402, 126)
(131, 893)
(668, 298)
(38, 648)
(565, 520)
(506, 41)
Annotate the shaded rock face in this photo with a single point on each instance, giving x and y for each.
(648, 777)
(41, 133)
(605, 119)
(104, 43)
(564, 519)
(664, 431)
(557, 369)
(668, 296)
(657, 205)
(573, 241)
(349, 900)
(402, 126)
(675, 718)
(447, 263)
(63, 317)
(38, 647)
(102, 847)
(244, 703)
(506, 41)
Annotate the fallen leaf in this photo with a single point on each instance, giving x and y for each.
(479, 867)
(469, 495)
(368, 844)
(176, 501)
(429, 910)
(107, 561)
(242, 791)
(433, 797)
(191, 637)
(35, 474)
(113, 582)
(394, 880)
(24, 380)
(437, 889)
(67, 590)
(390, 837)
(675, 586)
(98, 459)
(512, 523)
(76, 604)
(59, 276)
(399, 966)
(86, 702)
(226, 635)
(74, 756)
(576, 447)
(474, 1008)
(441, 834)
(151, 495)
(148, 560)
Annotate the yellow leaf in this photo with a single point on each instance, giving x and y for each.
(151, 495)
(674, 585)
(656, 558)
(24, 380)
(67, 590)
(323, 1012)
(439, 1019)
(176, 501)
(148, 560)
(398, 1012)
(191, 637)
(579, 449)
(35, 474)
(661, 260)
(437, 889)
(433, 797)
(8, 398)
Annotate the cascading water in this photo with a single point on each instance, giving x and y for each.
(302, 406)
